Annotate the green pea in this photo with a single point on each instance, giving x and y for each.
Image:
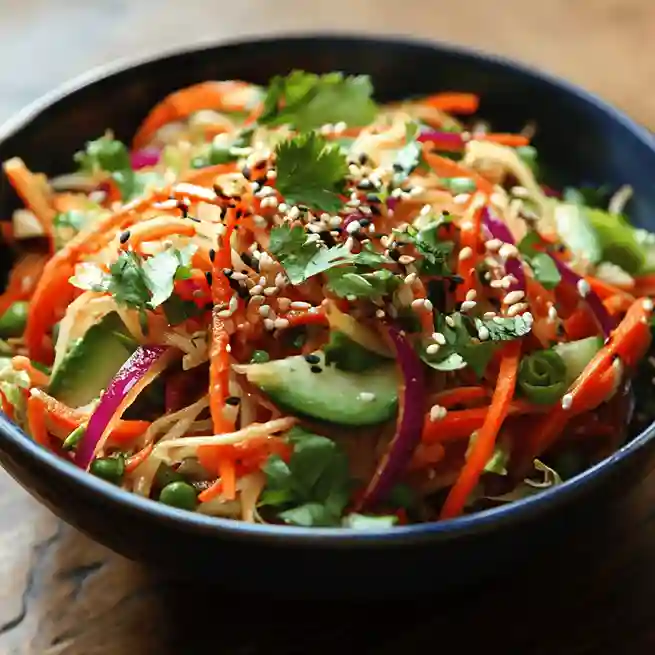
(12, 322)
(166, 475)
(74, 438)
(260, 357)
(179, 494)
(110, 469)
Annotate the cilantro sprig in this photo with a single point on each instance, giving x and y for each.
(307, 101)
(434, 253)
(410, 156)
(313, 489)
(303, 259)
(136, 282)
(311, 172)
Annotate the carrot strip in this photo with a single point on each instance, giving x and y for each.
(509, 140)
(134, 461)
(470, 233)
(445, 167)
(206, 176)
(227, 471)
(23, 279)
(36, 421)
(453, 102)
(630, 341)
(296, 319)
(606, 290)
(181, 104)
(460, 396)
(37, 378)
(483, 446)
(211, 492)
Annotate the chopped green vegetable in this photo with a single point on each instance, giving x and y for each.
(458, 185)
(542, 377)
(366, 522)
(179, 494)
(348, 355)
(74, 438)
(542, 264)
(12, 322)
(346, 282)
(104, 154)
(110, 469)
(260, 357)
(312, 172)
(314, 487)
(529, 156)
(434, 253)
(218, 152)
(504, 328)
(576, 231)
(308, 101)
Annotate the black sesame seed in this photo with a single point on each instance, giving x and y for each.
(261, 180)
(365, 185)
(243, 292)
(209, 306)
(398, 167)
(183, 207)
(228, 272)
(315, 369)
(375, 210)
(394, 254)
(364, 222)
(209, 277)
(259, 164)
(246, 173)
(312, 359)
(232, 400)
(327, 238)
(247, 259)
(212, 255)
(235, 284)
(239, 213)
(194, 219)
(124, 237)
(372, 197)
(363, 158)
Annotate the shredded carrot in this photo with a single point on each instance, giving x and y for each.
(36, 421)
(227, 471)
(453, 102)
(470, 234)
(606, 290)
(459, 396)
(37, 378)
(483, 446)
(509, 140)
(298, 318)
(134, 461)
(630, 341)
(445, 167)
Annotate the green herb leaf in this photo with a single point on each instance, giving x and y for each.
(161, 271)
(302, 258)
(104, 154)
(541, 263)
(435, 254)
(346, 282)
(311, 172)
(314, 487)
(505, 328)
(307, 101)
(410, 156)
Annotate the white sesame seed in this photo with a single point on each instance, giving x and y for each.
(234, 304)
(328, 128)
(260, 221)
(281, 323)
(269, 324)
(583, 288)
(264, 310)
(406, 259)
(516, 309)
(468, 304)
(266, 191)
(283, 207)
(354, 170)
(520, 192)
(496, 284)
(432, 349)
(294, 212)
(498, 199)
(450, 321)
(489, 315)
(483, 333)
(465, 253)
(280, 280)
(366, 396)
(416, 190)
(471, 294)
(411, 278)
(425, 210)
(439, 338)
(354, 202)
(262, 278)
(513, 297)
(427, 303)
(567, 401)
(225, 313)
(379, 313)
(353, 227)
(271, 174)
(257, 298)
(419, 303)
(528, 318)
(349, 244)
(437, 412)
(228, 348)
(493, 245)
(508, 250)
(239, 276)
(461, 198)
(283, 304)
(335, 221)
(508, 281)
(270, 291)
(299, 304)
(647, 304)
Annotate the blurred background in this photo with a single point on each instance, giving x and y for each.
(61, 594)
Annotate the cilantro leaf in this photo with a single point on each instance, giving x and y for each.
(410, 156)
(345, 282)
(307, 101)
(504, 328)
(104, 154)
(311, 172)
(161, 271)
(541, 263)
(218, 152)
(302, 258)
(127, 282)
(313, 489)
(435, 254)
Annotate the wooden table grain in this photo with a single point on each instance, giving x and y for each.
(61, 594)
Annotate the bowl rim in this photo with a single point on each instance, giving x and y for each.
(332, 537)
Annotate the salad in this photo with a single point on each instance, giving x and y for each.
(292, 305)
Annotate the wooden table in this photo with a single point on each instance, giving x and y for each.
(62, 594)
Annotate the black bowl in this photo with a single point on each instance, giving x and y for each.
(581, 139)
